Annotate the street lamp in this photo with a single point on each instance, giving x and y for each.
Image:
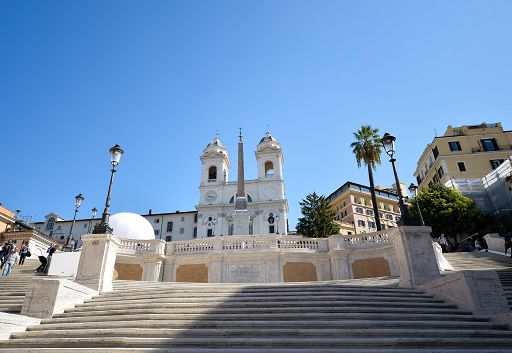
(414, 189)
(94, 210)
(78, 202)
(103, 228)
(388, 141)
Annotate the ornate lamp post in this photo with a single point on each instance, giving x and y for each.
(103, 228)
(414, 189)
(93, 214)
(388, 141)
(78, 202)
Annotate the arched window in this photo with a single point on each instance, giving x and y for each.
(212, 173)
(269, 169)
(50, 224)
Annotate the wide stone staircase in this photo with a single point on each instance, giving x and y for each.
(481, 260)
(13, 287)
(372, 315)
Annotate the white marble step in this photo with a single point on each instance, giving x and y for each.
(257, 342)
(276, 332)
(339, 322)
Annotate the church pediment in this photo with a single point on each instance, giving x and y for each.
(269, 148)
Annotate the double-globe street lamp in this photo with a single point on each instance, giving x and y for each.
(413, 189)
(388, 141)
(103, 227)
(78, 202)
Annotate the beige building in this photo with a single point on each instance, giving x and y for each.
(6, 218)
(354, 211)
(464, 155)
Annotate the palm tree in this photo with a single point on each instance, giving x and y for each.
(367, 149)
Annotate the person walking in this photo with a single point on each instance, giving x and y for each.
(7, 251)
(51, 250)
(443, 242)
(10, 262)
(24, 251)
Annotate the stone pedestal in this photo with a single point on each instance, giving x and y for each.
(97, 260)
(477, 291)
(241, 221)
(48, 296)
(415, 255)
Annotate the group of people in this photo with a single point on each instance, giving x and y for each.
(9, 255)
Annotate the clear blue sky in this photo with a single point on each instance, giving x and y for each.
(159, 77)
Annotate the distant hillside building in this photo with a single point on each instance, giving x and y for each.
(354, 211)
(462, 157)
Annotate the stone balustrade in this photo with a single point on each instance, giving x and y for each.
(279, 243)
(140, 247)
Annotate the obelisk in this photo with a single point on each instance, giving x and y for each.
(241, 217)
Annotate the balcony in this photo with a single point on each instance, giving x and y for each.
(500, 148)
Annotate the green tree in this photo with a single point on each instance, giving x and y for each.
(448, 212)
(318, 220)
(367, 149)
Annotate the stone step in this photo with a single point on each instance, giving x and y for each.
(320, 310)
(287, 332)
(255, 324)
(255, 342)
(257, 292)
(242, 297)
(97, 302)
(270, 316)
(252, 350)
(331, 303)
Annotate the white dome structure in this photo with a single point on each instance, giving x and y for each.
(127, 225)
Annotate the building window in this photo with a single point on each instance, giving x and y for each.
(269, 169)
(194, 235)
(195, 218)
(168, 238)
(489, 145)
(371, 224)
(182, 230)
(50, 224)
(85, 225)
(212, 173)
(369, 212)
(440, 172)
(359, 210)
(397, 218)
(361, 223)
(209, 232)
(271, 229)
(61, 237)
(435, 151)
(230, 229)
(157, 232)
(169, 227)
(495, 163)
(390, 217)
(157, 220)
(454, 146)
(462, 166)
(182, 219)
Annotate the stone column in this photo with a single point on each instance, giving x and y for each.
(97, 261)
(152, 270)
(415, 255)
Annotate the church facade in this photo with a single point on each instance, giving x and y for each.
(266, 211)
(221, 201)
